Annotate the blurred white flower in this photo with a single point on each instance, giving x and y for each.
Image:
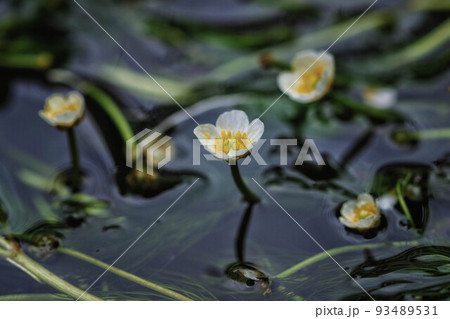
(387, 201)
(362, 214)
(313, 84)
(232, 137)
(382, 98)
(62, 111)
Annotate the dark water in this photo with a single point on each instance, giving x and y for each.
(191, 246)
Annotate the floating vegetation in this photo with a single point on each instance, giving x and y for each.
(248, 274)
(349, 143)
(15, 256)
(124, 274)
(432, 261)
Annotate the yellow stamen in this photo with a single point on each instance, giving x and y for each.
(65, 107)
(227, 142)
(363, 212)
(308, 82)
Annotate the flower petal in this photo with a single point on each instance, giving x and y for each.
(75, 99)
(255, 131)
(347, 222)
(286, 83)
(286, 80)
(347, 208)
(62, 111)
(369, 222)
(323, 86)
(304, 59)
(304, 62)
(240, 153)
(44, 115)
(365, 198)
(382, 98)
(206, 131)
(233, 121)
(66, 118)
(54, 102)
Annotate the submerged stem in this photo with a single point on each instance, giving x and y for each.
(124, 274)
(336, 251)
(21, 260)
(242, 233)
(399, 189)
(249, 196)
(75, 157)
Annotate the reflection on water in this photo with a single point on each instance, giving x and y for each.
(211, 245)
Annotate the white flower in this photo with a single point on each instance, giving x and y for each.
(387, 201)
(63, 111)
(309, 80)
(362, 214)
(382, 98)
(232, 137)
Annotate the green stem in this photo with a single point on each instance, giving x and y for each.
(124, 274)
(75, 157)
(282, 66)
(242, 234)
(415, 51)
(181, 90)
(405, 137)
(429, 5)
(336, 251)
(249, 196)
(399, 189)
(3, 252)
(406, 179)
(313, 40)
(268, 60)
(37, 271)
(33, 297)
(40, 61)
(368, 110)
(141, 84)
(432, 134)
(111, 109)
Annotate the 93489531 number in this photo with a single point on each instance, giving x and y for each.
(406, 311)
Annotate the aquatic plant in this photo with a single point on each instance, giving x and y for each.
(310, 78)
(362, 214)
(369, 89)
(230, 139)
